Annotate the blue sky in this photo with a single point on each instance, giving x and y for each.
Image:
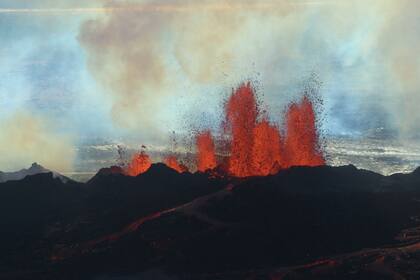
(43, 71)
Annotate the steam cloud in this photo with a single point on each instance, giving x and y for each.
(142, 57)
(25, 139)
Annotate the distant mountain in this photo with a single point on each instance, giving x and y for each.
(35, 168)
(165, 225)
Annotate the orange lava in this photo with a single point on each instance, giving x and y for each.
(173, 163)
(257, 147)
(241, 117)
(266, 150)
(206, 156)
(301, 142)
(140, 163)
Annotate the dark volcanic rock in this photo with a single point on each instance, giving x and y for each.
(198, 226)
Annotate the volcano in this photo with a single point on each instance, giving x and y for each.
(257, 202)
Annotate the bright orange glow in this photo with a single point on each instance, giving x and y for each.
(241, 117)
(140, 163)
(206, 156)
(255, 146)
(301, 143)
(266, 151)
(173, 163)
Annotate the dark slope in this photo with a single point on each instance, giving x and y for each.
(297, 216)
(115, 199)
(29, 210)
(194, 226)
(41, 214)
(326, 179)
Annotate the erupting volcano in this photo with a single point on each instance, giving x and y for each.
(256, 146)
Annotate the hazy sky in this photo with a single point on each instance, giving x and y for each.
(71, 70)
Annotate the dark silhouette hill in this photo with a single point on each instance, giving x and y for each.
(166, 225)
(40, 212)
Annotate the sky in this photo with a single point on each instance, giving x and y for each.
(76, 70)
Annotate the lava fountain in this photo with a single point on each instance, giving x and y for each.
(206, 155)
(140, 163)
(256, 147)
(266, 149)
(241, 117)
(302, 143)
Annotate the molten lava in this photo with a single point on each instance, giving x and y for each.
(173, 163)
(266, 151)
(206, 156)
(301, 143)
(241, 117)
(140, 163)
(256, 147)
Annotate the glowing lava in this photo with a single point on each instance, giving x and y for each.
(173, 163)
(256, 146)
(266, 150)
(140, 163)
(301, 143)
(241, 117)
(206, 156)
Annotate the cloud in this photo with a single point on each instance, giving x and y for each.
(124, 56)
(25, 139)
(147, 54)
(143, 59)
(399, 42)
